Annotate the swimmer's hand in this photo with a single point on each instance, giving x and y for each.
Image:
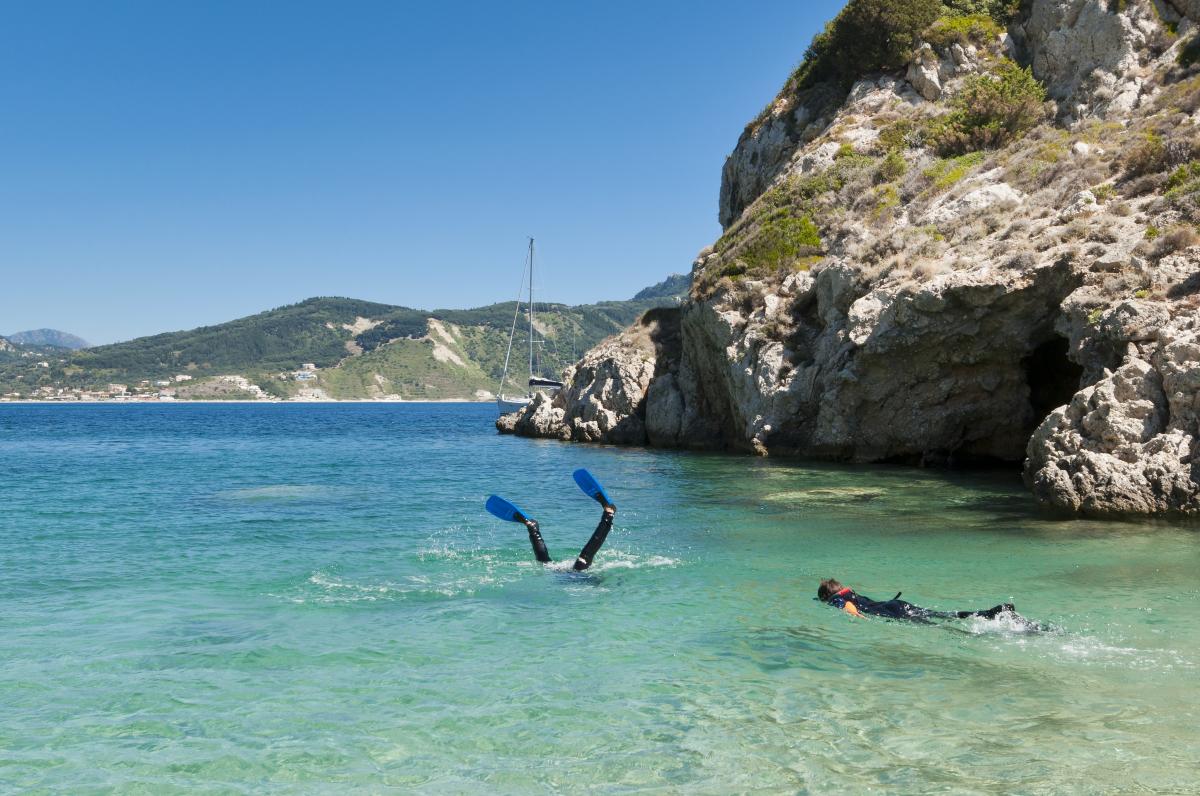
(851, 609)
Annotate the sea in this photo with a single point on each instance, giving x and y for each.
(311, 599)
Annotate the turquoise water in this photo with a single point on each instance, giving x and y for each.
(311, 599)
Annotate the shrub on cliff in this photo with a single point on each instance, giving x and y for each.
(880, 35)
(1002, 11)
(1158, 150)
(1147, 156)
(990, 111)
(778, 237)
(1183, 190)
(970, 29)
(782, 239)
(866, 36)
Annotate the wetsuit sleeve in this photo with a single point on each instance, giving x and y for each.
(842, 604)
(539, 545)
(588, 553)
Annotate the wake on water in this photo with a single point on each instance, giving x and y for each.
(473, 570)
(1008, 630)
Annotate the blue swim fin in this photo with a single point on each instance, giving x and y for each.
(501, 508)
(591, 487)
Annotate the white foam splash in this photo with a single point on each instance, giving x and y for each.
(617, 559)
(332, 590)
(1005, 622)
(1012, 628)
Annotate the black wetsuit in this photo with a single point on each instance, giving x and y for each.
(896, 608)
(586, 555)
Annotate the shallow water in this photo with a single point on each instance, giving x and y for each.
(311, 599)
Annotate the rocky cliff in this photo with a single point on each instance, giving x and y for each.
(987, 251)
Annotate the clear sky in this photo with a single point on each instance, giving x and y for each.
(165, 165)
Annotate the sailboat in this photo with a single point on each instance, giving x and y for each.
(513, 403)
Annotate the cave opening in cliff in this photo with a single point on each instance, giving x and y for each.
(1052, 377)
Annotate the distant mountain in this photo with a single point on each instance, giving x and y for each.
(52, 338)
(357, 349)
(675, 286)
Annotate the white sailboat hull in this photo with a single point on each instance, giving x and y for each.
(507, 405)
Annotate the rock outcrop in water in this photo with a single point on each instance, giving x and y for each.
(881, 295)
(604, 394)
(1127, 444)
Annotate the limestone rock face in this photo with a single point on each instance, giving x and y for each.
(1093, 60)
(768, 146)
(924, 74)
(604, 395)
(539, 418)
(868, 375)
(1128, 444)
(950, 209)
(1039, 303)
(787, 139)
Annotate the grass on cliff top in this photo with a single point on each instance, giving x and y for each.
(869, 36)
(975, 29)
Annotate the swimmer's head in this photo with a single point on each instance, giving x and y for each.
(828, 588)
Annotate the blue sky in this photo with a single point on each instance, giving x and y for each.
(168, 165)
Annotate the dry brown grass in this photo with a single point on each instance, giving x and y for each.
(1103, 232)
(1018, 229)
(927, 270)
(1021, 261)
(1175, 239)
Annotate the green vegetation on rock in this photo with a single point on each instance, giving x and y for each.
(949, 171)
(990, 111)
(967, 29)
(1185, 179)
(880, 35)
(782, 238)
(866, 36)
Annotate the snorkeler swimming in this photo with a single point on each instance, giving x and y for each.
(501, 508)
(834, 593)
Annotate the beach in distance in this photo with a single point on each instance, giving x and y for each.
(313, 599)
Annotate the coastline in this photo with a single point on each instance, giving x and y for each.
(239, 401)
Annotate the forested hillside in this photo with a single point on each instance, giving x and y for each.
(359, 349)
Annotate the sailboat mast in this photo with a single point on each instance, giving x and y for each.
(531, 374)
